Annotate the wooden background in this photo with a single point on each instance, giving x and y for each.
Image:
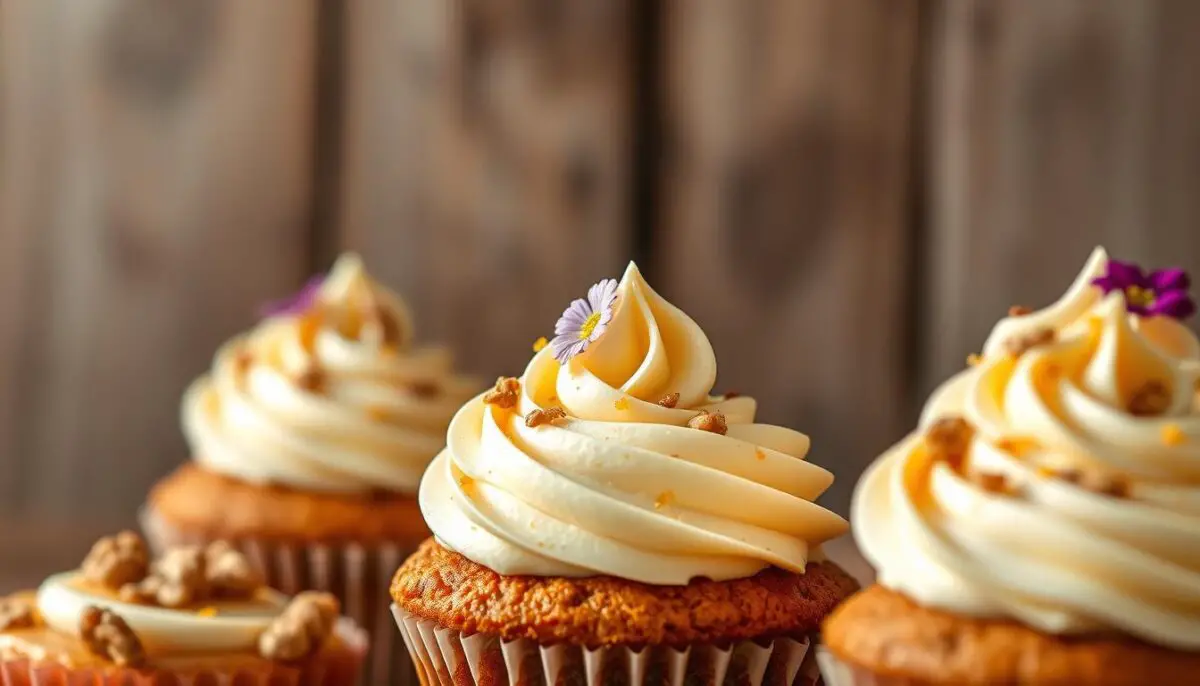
(846, 194)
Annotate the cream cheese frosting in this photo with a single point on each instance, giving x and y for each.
(330, 399)
(1047, 549)
(229, 626)
(623, 486)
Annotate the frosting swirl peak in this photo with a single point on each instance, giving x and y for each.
(330, 398)
(623, 486)
(1075, 506)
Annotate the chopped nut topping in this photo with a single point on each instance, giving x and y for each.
(948, 440)
(117, 560)
(1153, 398)
(228, 572)
(713, 422)
(669, 400)
(993, 482)
(1019, 345)
(301, 628)
(1102, 484)
(108, 636)
(177, 579)
(1172, 435)
(546, 416)
(1019, 311)
(312, 379)
(242, 360)
(425, 389)
(16, 613)
(505, 394)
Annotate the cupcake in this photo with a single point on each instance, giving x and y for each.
(196, 615)
(308, 440)
(1042, 526)
(606, 516)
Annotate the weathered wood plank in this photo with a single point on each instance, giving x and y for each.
(486, 161)
(1057, 126)
(153, 188)
(784, 208)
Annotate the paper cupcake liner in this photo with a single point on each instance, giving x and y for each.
(358, 575)
(445, 657)
(322, 670)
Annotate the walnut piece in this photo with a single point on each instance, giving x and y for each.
(312, 379)
(425, 389)
(669, 400)
(729, 395)
(301, 628)
(229, 573)
(1019, 311)
(505, 394)
(1111, 485)
(1019, 345)
(16, 613)
(108, 636)
(177, 579)
(1153, 398)
(713, 422)
(948, 440)
(993, 482)
(547, 416)
(117, 560)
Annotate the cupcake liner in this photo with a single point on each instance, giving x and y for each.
(358, 575)
(840, 673)
(445, 657)
(320, 670)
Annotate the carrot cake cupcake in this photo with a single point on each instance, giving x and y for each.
(605, 515)
(196, 615)
(1042, 526)
(308, 439)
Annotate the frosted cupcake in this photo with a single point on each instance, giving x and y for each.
(309, 437)
(194, 616)
(607, 516)
(1042, 526)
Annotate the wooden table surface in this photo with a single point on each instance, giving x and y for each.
(29, 552)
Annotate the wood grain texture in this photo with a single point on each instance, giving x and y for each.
(784, 209)
(486, 162)
(154, 190)
(1058, 126)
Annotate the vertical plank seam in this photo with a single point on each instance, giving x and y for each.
(646, 27)
(329, 69)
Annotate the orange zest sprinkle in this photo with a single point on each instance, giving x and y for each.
(1172, 435)
(540, 344)
(759, 454)
(973, 360)
(621, 404)
(207, 612)
(665, 498)
(378, 413)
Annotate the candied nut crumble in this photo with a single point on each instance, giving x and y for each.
(1019, 311)
(16, 613)
(669, 400)
(107, 635)
(993, 482)
(228, 573)
(713, 422)
(425, 389)
(1153, 398)
(312, 379)
(1020, 344)
(117, 560)
(505, 394)
(948, 440)
(301, 628)
(177, 579)
(547, 416)
(1110, 485)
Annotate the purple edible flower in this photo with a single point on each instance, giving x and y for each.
(298, 302)
(584, 321)
(1161, 292)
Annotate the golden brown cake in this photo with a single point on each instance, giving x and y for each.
(1042, 524)
(607, 517)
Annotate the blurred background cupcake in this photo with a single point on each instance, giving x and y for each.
(1042, 526)
(194, 615)
(606, 517)
(309, 437)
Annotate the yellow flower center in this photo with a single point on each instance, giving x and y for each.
(1142, 297)
(589, 326)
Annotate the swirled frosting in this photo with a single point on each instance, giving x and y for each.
(1048, 547)
(330, 399)
(623, 486)
(229, 626)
